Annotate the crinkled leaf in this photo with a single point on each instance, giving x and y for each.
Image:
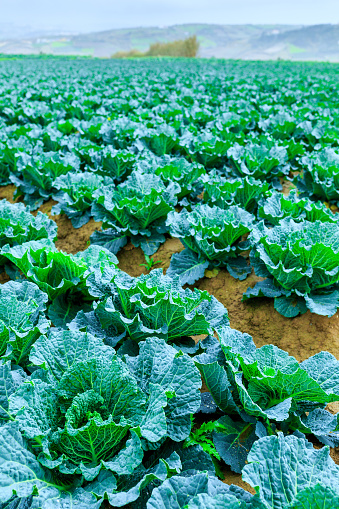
(177, 491)
(160, 364)
(23, 475)
(281, 467)
(233, 441)
(10, 380)
(187, 266)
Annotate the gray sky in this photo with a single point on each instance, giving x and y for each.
(95, 15)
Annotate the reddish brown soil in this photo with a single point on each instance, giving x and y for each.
(302, 336)
(7, 192)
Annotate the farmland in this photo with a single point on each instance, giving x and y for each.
(169, 268)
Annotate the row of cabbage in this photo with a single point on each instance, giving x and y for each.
(100, 399)
(293, 242)
(40, 170)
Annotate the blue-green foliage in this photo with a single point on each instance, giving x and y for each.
(60, 275)
(321, 175)
(150, 305)
(260, 390)
(137, 208)
(286, 472)
(98, 384)
(276, 207)
(18, 226)
(211, 236)
(244, 192)
(38, 176)
(301, 264)
(75, 196)
(22, 319)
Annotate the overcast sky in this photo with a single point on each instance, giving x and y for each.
(94, 15)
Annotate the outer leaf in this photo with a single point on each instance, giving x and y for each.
(281, 467)
(234, 442)
(35, 407)
(177, 492)
(325, 304)
(238, 268)
(264, 288)
(127, 460)
(318, 497)
(290, 306)
(218, 385)
(187, 266)
(130, 488)
(149, 245)
(23, 475)
(323, 367)
(160, 364)
(224, 501)
(10, 380)
(112, 239)
(62, 349)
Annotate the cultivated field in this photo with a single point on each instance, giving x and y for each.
(156, 216)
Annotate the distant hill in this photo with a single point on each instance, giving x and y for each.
(262, 42)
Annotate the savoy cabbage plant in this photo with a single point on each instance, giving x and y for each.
(18, 225)
(110, 163)
(281, 125)
(212, 238)
(186, 175)
(321, 175)
(75, 196)
(60, 275)
(316, 134)
(15, 153)
(149, 305)
(259, 161)
(276, 207)
(137, 208)
(206, 148)
(36, 180)
(22, 319)
(90, 416)
(161, 140)
(259, 391)
(286, 473)
(300, 262)
(244, 192)
(121, 132)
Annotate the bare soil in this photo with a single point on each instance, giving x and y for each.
(301, 336)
